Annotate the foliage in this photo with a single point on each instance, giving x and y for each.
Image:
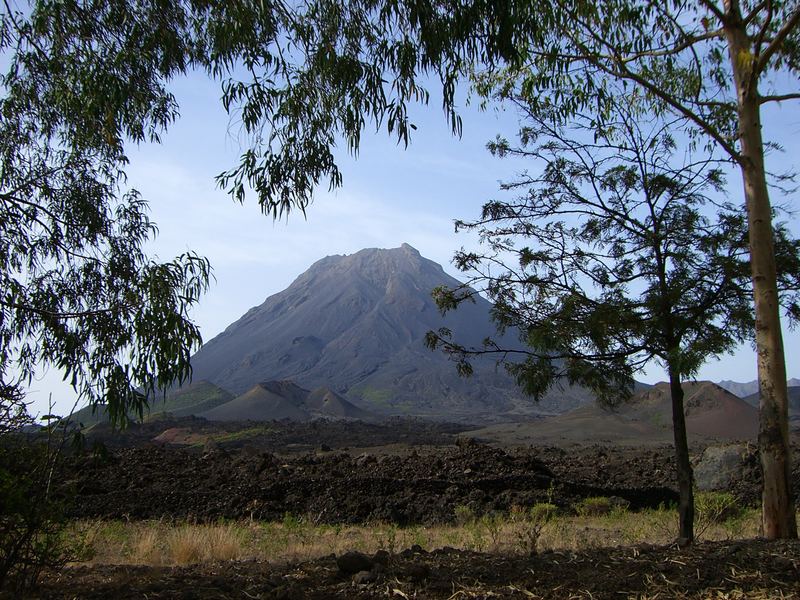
(612, 255)
(530, 524)
(33, 534)
(543, 512)
(677, 55)
(594, 506)
(147, 542)
(714, 64)
(79, 292)
(718, 507)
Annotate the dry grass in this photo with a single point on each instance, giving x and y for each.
(157, 543)
(522, 531)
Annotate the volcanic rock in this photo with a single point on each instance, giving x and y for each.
(720, 466)
(351, 563)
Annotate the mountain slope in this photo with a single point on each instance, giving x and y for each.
(277, 400)
(356, 324)
(743, 389)
(263, 402)
(711, 412)
(794, 399)
(192, 399)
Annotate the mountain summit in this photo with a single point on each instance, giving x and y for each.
(356, 324)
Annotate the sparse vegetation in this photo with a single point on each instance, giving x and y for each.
(375, 396)
(522, 531)
(718, 507)
(720, 510)
(241, 435)
(594, 506)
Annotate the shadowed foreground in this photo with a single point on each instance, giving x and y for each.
(722, 570)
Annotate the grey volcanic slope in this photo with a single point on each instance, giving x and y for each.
(739, 388)
(750, 388)
(325, 402)
(356, 324)
(263, 402)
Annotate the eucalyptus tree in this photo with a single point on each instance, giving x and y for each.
(77, 290)
(618, 251)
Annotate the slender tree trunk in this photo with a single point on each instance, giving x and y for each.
(682, 462)
(778, 516)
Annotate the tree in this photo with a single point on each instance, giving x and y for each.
(78, 291)
(613, 256)
(33, 534)
(708, 62)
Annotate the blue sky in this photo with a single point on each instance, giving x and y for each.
(390, 196)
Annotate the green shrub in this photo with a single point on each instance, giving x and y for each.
(594, 506)
(464, 514)
(33, 533)
(717, 507)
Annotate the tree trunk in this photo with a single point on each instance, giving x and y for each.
(682, 463)
(778, 516)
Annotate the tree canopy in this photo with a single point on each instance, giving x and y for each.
(79, 292)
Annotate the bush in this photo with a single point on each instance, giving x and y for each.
(464, 514)
(717, 507)
(529, 523)
(32, 524)
(594, 506)
(543, 512)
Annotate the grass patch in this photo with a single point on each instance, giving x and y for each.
(596, 506)
(377, 396)
(236, 436)
(522, 531)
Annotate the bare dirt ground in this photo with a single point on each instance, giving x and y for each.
(723, 570)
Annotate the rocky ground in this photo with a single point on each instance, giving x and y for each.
(405, 485)
(422, 487)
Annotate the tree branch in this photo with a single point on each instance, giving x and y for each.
(65, 315)
(714, 9)
(779, 98)
(690, 41)
(792, 22)
(675, 104)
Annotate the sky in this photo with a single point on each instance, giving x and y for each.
(390, 195)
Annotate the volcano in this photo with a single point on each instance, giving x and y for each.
(355, 324)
